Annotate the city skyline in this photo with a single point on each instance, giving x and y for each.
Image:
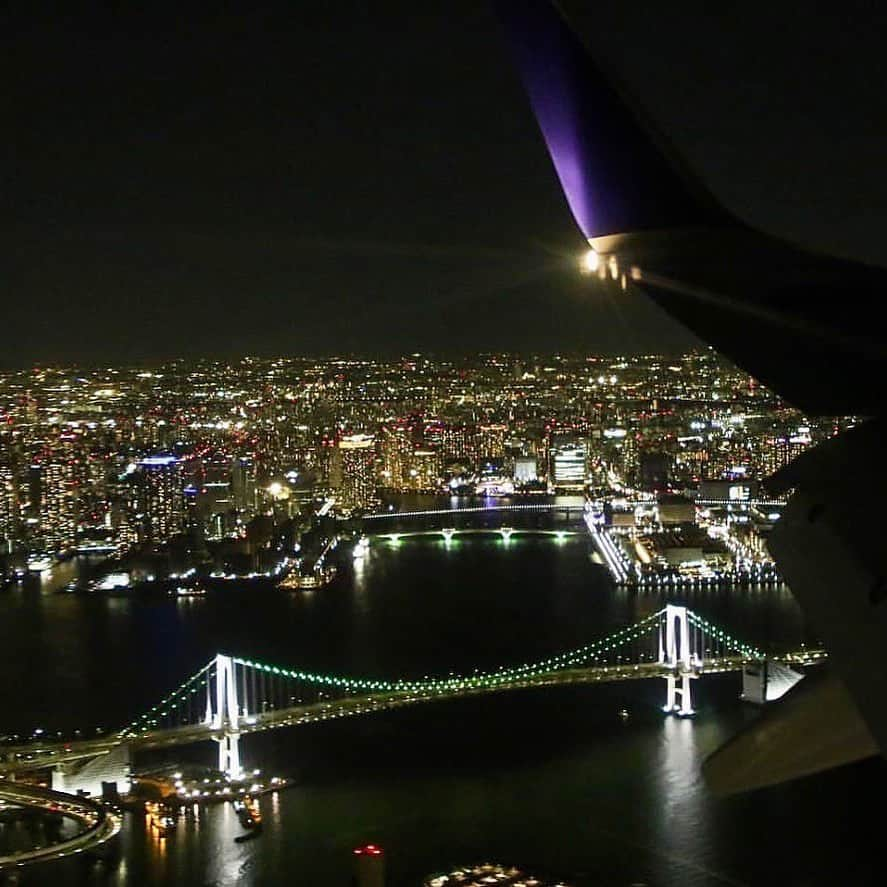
(429, 431)
(167, 458)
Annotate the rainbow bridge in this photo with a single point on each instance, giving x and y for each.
(232, 696)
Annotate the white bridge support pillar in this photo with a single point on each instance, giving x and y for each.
(229, 755)
(682, 662)
(225, 717)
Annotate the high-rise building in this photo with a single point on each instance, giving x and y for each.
(328, 468)
(783, 449)
(162, 497)
(423, 475)
(396, 448)
(459, 442)
(356, 455)
(57, 483)
(125, 520)
(9, 518)
(568, 465)
(491, 441)
(243, 485)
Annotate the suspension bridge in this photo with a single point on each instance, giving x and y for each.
(232, 696)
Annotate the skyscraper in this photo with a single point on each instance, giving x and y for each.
(568, 465)
(491, 440)
(424, 472)
(459, 442)
(396, 449)
(8, 509)
(357, 462)
(243, 485)
(57, 485)
(162, 497)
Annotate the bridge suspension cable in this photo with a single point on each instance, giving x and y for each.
(170, 706)
(261, 687)
(723, 642)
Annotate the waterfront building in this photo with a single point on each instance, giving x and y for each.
(57, 482)
(568, 468)
(525, 469)
(356, 463)
(424, 471)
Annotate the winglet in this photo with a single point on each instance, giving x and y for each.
(815, 728)
(617, 173)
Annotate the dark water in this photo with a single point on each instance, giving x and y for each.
(551, 779)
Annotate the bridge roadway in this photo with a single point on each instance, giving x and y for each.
(566, 508)
(507, 532)
(26, 757)
(96, 824)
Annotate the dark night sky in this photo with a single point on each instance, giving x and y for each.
(313, 178)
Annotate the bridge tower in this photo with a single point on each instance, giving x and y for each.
(676, 653)
(226, 716)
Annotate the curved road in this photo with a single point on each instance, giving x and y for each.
(96, 824)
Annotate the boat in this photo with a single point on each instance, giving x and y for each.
(316, 578)
(249, 836)
(39, 562)
(189, 591)
(361, 547)
(159, 818)
(250, 817)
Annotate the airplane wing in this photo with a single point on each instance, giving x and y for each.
(770, 306)
(800, 321)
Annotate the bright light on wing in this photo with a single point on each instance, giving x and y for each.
(590, 262)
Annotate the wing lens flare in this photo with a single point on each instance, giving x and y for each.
(590, 262)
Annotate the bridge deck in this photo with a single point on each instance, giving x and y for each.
(27, 757)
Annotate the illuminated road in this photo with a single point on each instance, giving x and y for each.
(455, 532)
(476, 509)
(96, 825)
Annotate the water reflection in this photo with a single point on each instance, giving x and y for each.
(508, 776)
(685, 815)
(229, 862)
